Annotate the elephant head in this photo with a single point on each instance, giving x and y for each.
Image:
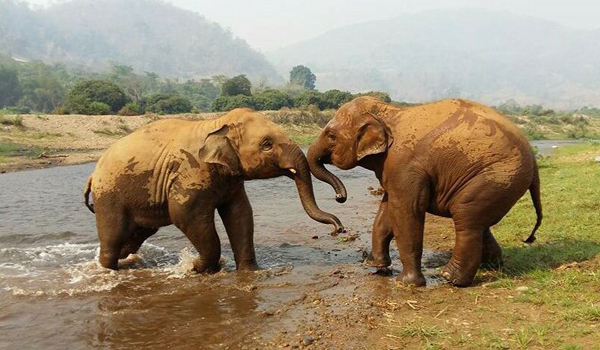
(251, 146)
(355, 135)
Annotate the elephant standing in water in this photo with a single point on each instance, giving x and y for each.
(179, 172)
(452, 158)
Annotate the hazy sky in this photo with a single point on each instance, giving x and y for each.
(269, 24)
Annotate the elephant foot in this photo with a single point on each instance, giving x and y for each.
(379, 262)
(455, 275)
(383, 271)
(248, 266)
(413, 278)
(206, 267)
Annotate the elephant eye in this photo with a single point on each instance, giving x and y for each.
(331, 137)
(266, 145)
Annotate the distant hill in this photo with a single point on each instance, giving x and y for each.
(149, 35)
(478, 54)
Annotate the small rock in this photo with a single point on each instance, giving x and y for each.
(597, 159)
(307, 340)
(522, 289)
(315, 237)
(554, 147)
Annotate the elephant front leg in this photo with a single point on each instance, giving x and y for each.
(381, 238)
(466, 256)
(407, 207)
(239, 224)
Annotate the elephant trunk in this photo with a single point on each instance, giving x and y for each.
(302, 177)
(316, 157)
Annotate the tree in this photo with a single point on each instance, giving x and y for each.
(10, 86)
(238, 85)
(301, 75)
(227, 103)
(307, 98)
(168, 104)
(42, 90)
(86, 92)
(272, 100)
(333, 99)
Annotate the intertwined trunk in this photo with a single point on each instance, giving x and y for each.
(303, 181)
(317, 154)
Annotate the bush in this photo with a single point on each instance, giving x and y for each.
(334, 99)
(309, 97)
(382, 96)
(272, 100)
(130, 109)
(98, 108)
(533, 132)
(168, 104)
(15, 110)
(227, 103)
(88, 92)
(239, 85)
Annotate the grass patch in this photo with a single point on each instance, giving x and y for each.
(121, 130)
(9, 149)
(16, 121)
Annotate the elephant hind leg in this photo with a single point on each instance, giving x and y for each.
(466, 256)
(492, 253)
(113, 231)
(135, 240)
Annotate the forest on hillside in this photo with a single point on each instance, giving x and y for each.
(148, 35)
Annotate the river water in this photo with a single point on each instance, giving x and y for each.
(54, 294)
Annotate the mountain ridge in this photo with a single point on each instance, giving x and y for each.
(478, 54)
(149, 35)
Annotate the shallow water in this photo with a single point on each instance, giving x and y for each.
(53, 292)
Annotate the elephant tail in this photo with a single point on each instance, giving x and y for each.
(86, 195)
(534, 189)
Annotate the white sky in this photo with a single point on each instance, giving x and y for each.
(269, 24)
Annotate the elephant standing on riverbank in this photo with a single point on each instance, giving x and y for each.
(179, 172)
(452, 158)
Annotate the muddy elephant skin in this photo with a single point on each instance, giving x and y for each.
(179, 172)
(452, 158)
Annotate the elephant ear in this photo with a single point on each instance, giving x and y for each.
(374, 137)
(218, 150)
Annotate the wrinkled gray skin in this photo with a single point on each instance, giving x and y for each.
(179, 172)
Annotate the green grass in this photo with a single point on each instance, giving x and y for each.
(9, 149)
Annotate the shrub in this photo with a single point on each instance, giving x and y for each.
(227, 103)
(334, 99)
(533, 132)
(309, 97)
(239, 85)
(130, 109)
(383, 96)
(15, 110)
(272, 100)
(168, 104)
(86, 92)
(98, 108)
(16, 121)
